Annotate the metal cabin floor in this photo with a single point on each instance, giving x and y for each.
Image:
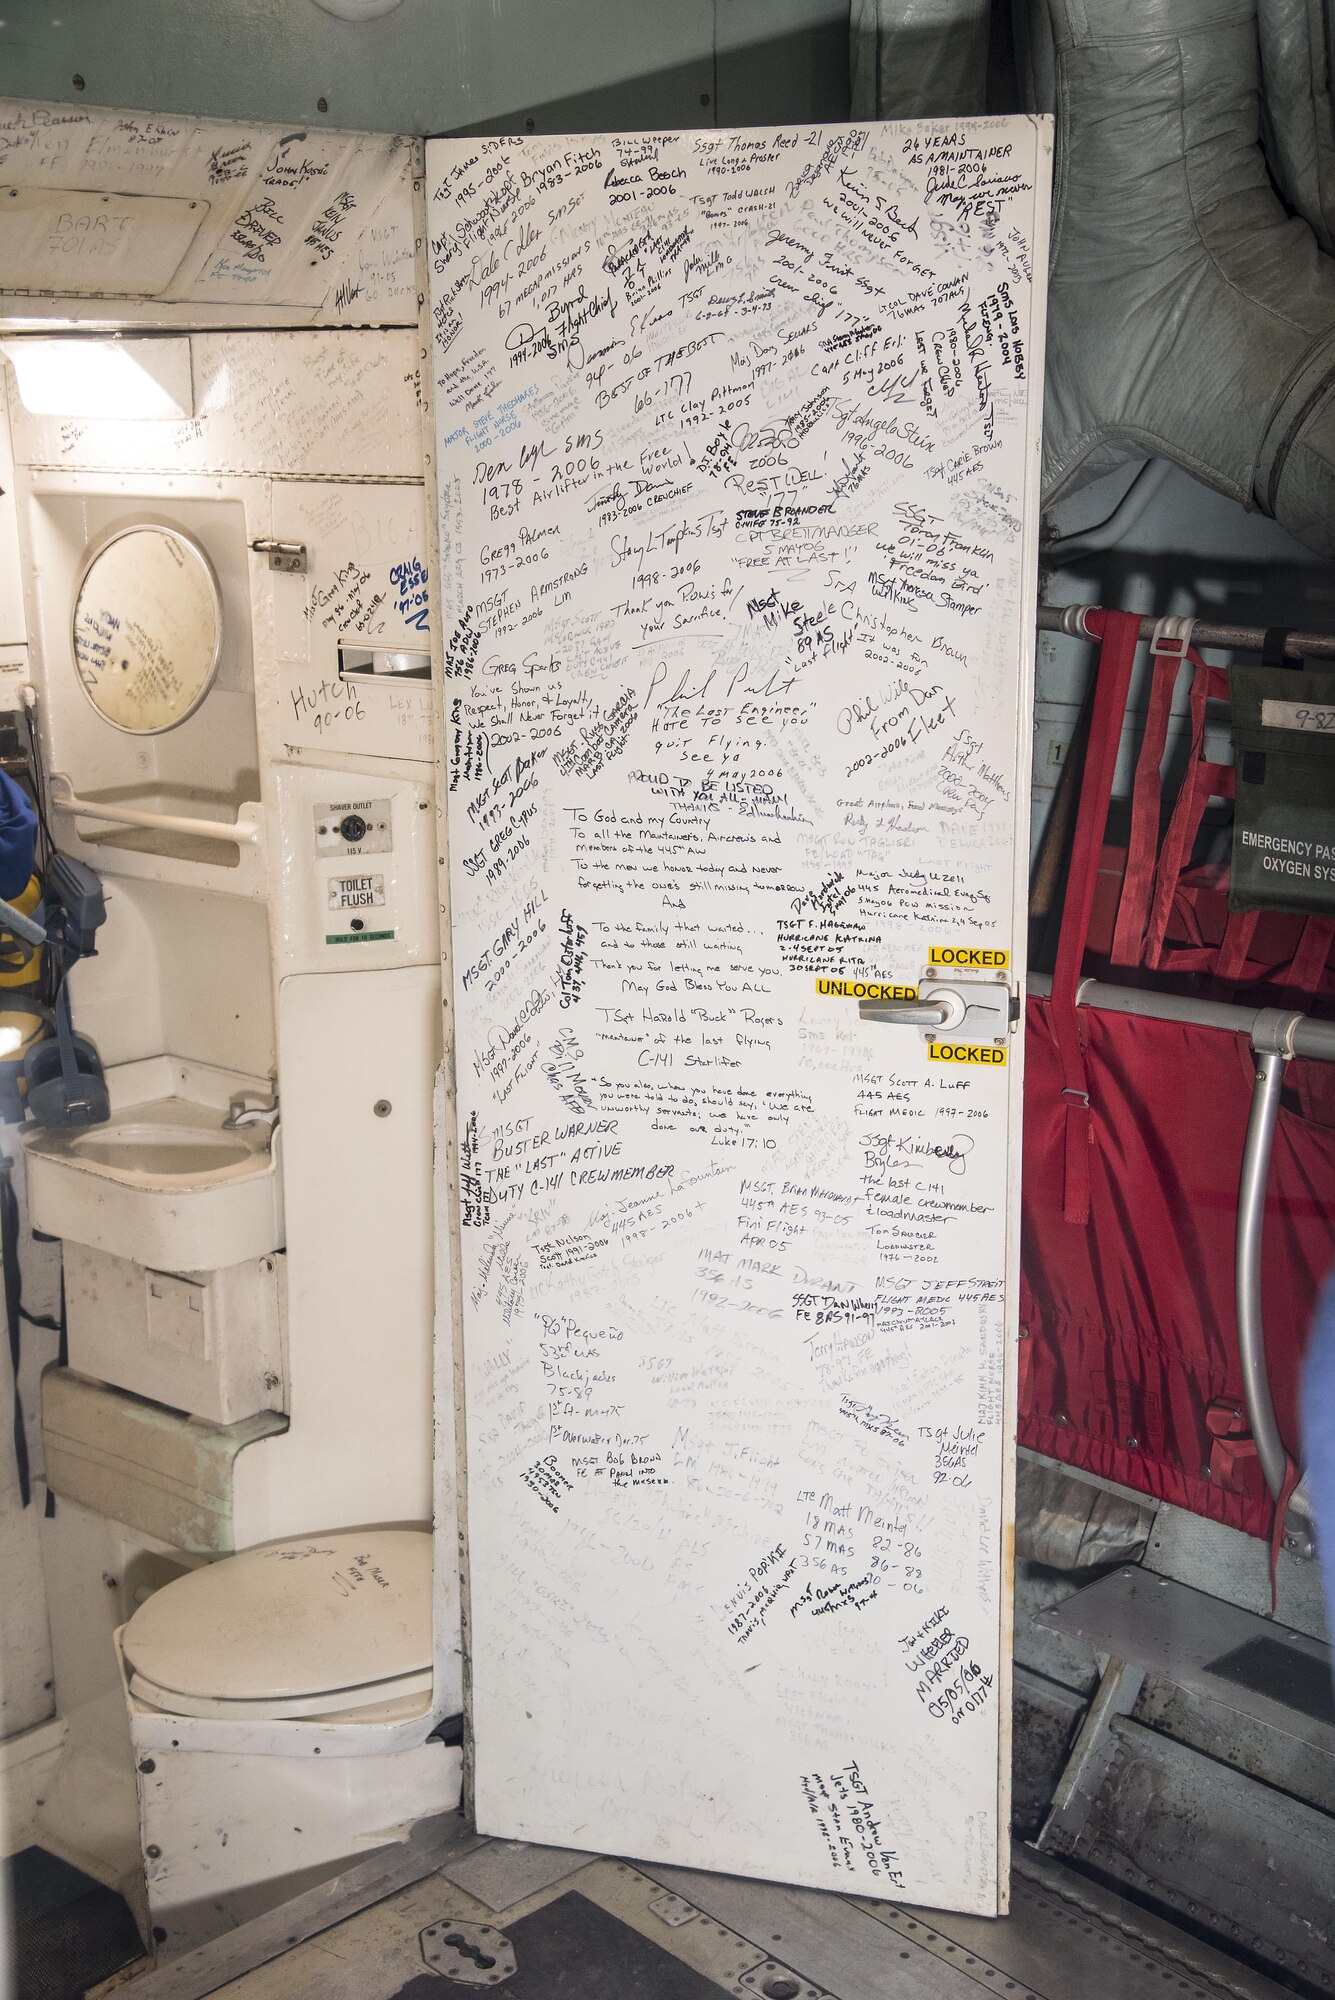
(452, 1914)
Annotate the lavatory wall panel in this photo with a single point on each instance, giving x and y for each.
(214, 979)
(117, 995)
(290, 405)
(360, 1265)
(172, 219)
(13, 626)
(179, 972)
(214, 754)
(366, 590)
(357, 889)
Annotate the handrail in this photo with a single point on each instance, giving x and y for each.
(906, 1014)
(1306, 1036)
(1266, 1094)
(240, 832)
(1070, 620)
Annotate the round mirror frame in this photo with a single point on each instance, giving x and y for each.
(95, 552)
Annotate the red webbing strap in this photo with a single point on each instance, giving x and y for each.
(1201, 781)
(1307, 967)
(1235, 947)
(1120, 633)
(1169, 647)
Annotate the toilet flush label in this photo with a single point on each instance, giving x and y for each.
(356, 892)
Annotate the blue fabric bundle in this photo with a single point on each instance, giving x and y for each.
(18, 838)
(1319, 1436)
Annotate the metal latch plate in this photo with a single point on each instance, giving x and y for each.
(289, 557)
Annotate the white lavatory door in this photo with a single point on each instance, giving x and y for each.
(738, 440)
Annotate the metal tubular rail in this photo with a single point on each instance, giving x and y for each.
(1266, 1093)
(22, 927)
(1070, 620)
(1306, 1037)
(240, 832)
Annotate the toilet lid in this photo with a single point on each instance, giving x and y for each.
(290, 1619)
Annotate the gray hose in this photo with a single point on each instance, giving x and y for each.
(1295, 40)
(919, 58)
(1116, 526)
(1190, 316)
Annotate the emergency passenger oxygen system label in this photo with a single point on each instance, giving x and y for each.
(1284, 804)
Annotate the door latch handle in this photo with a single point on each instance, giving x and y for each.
(927, 1014)
(975, 1011)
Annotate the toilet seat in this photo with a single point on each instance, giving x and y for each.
(381, 1701)
(335, 1626)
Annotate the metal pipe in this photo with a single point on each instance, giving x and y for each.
(1266, 1095)
(1124, 517)
(23, 927)
(1305, 1036)
(1070, 620)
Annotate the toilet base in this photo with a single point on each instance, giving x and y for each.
(226, 1837)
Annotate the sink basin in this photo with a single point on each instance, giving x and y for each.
(152, 1148)
(163, 1183)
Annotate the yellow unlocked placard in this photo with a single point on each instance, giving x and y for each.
(864, 989)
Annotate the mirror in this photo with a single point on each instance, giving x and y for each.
(147, 628)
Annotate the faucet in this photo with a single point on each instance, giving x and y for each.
(241, 1114)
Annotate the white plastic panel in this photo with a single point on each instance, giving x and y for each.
(366, 588)
(322, 920)
(738, 449)
(208, 1343)
(360, 1266)
(13, 631)
(98, 244)
(193, 212)
(310, 405)
(292, 1819)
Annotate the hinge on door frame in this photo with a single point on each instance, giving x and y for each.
(290, 557)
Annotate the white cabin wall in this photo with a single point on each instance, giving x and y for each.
(314, 437)
(13, 625)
